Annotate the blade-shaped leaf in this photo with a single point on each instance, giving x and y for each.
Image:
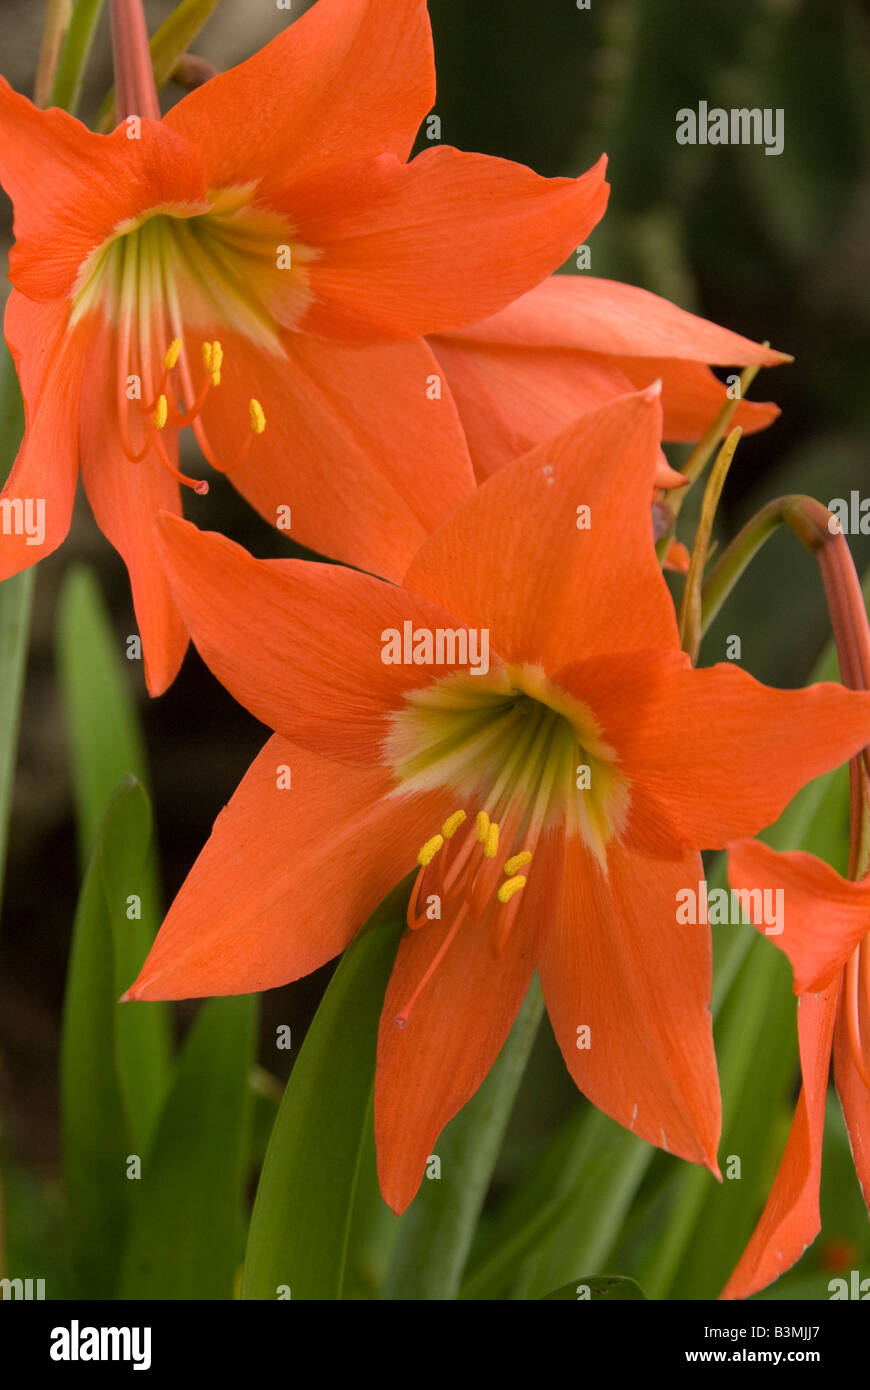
(297, 1246)
(185, 1224)
(105, 741)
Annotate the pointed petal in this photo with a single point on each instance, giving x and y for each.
(791, 1219)
(71, 188)
(718, 751)
(825, 916)
(364, 484)
(514, 554)
(855, 1099)
(348, 79)
(692, 396)
(408, 248)
(298, 644)
(512, 397)
(427, 1070)
(50, 362)
(618, 962)
(286, 877)
(605, 316)
(125, 498)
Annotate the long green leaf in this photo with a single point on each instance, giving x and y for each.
(96, 1137)
(298, 1241)
(186, 1207)
(105, 741)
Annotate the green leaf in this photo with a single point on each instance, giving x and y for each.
(599, 1288)
(74, 54)
(186, 1208)
(105, 740)
(96, 1137)
(16, 601)
(304, 1206)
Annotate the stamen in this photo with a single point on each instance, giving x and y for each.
(258, 418)
(517, 861)
(490, 848)
(161, 414)
(430, 849)
(199, 485)
(482, 826)
(172, 354)
(404, 1013)
(452, 824)
(512, 886)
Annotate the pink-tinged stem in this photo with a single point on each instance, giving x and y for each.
(135, 89)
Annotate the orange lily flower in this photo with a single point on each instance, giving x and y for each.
(261, 265)
(573, 343)
(826, 936)
(561, 789)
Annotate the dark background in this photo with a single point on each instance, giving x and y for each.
(773, 247)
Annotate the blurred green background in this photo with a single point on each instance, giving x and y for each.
(772, 247)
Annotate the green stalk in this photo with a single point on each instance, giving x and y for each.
(67, 87)
(437, 1231)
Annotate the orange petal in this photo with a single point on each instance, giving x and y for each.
(719, 752)
(286, 877)
(677, 558)
(825, 916)
(298, 644)
(617, 962)
(364, 484)
(71, 188)
(855, 1100)
(791, 1220)
(125, 498)
(409, 248)
(427, 1070)
(348, 79)
(514, 557)
(692, 396)
(605, 316)
(50, 362)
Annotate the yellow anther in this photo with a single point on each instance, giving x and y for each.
(512, 886)
(217, 357)
(429, 850)
(482, 826)
(207, 354)
(258, 418)
(452, 824)
(517, 861)
(490, 849)
(172, 354)
(161, 414)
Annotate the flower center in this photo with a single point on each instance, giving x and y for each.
(169, 280)
(527, 759)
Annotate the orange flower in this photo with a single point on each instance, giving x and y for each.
(261, 265)
(575, 342)
(561, 776)
(826, 936)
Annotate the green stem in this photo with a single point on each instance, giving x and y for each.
(804, 515)
(67, 86)
(437, 1231)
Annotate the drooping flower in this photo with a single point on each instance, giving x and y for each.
(553, 781)
(826, 936)
(261, 265)
(573, 343)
